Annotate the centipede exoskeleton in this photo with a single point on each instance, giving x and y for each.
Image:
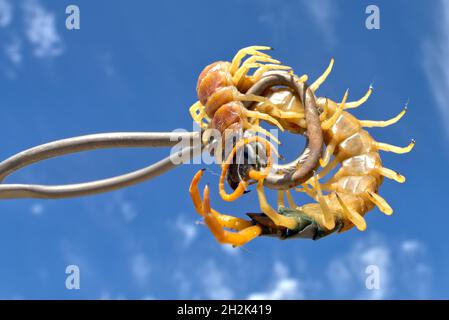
(342, 200)
(221, 89)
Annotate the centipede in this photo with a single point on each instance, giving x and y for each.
(340, 169)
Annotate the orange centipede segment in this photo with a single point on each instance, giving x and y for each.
(341, 201)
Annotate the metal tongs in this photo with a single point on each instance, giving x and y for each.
(281, 177)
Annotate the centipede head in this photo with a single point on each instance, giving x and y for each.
(253, 157)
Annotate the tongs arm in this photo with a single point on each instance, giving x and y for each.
(192, 149)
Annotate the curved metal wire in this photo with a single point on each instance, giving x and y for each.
(94, 142)
(282, 177)
(288, 175)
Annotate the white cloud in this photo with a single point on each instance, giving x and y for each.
(214, 283)
(13, 51)
(37, 209)
(283, 287)
(229, 249)
(106, 295)
(435, 62)
(187, 229)
(378, 256)
(411, 246)
(120, 205)
(140, 268)
(183, 283)
(347, 273)
(322, 13)
(128, 211)
(41, 31)
(416, 274)
(402, 266)
(5, 13)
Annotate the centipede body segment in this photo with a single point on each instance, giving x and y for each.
(254, 87)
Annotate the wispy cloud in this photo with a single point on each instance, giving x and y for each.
(5, 13)
(402, 268)
(120, 205)
(187, 229)
(13, 51)
(140, 268)
(37, 209)
(347, 273)
(214, 283)
(435, 63)
(416, 274)
(323, 13)
(41, 31)
(37, 34)
(283, 286)
(128, 211)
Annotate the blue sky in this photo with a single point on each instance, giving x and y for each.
(133, 66)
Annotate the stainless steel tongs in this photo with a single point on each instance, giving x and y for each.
(281, 177)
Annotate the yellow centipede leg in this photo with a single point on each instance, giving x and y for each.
(355, 104)
(254, 59)
(305, 188)
(330, 148)
(272, 111)
(259, 129)
(318, 82)
(255, 98)
(268, 67)
(327, 124)
(370, 124)
(290, 200)
(225, 220)
(390, 174)
(263, 116)
(328, 220)
(352, 215)
(198, 114)
(380, 203)
(278, 219)
(303, 78)
(280, 199)
(253, 50)
(223, 236)
(242, 72)
(195, 110)
(325, 107)
(290, 115)
(390, 148)
(253, 174)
